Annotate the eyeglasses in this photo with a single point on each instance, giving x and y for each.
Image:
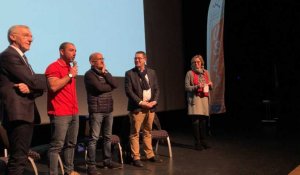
(25, 35)
(97, 59)
(197, 62)
(138, 58)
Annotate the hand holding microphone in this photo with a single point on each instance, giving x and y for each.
(74, 63)
(74, 69)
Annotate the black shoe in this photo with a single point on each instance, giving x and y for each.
(92, 170)
(205, 145)
(138, 163)
(154, 159)
(113, 165)
(199, 147)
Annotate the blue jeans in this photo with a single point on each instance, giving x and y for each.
(96, 121)
(64, 130)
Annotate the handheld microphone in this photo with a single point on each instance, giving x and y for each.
(74, 63)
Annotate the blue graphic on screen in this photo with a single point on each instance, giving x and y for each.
(114, 28)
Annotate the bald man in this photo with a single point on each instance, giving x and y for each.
(99, 85)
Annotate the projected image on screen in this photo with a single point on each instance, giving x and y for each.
(114, 28)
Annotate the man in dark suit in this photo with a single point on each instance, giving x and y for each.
(142, 90)
(19, 86)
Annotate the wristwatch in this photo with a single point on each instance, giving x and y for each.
(70, 75)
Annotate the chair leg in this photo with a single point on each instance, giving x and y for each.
(85, 154)
(61, 165)
(33, 165)
(120, 152)
(170, 148)
(31, 160)
(156, 146)
(5, 153)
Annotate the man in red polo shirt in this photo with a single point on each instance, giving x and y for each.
(63, 109)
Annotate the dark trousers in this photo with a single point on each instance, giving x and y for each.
(20, 135)
(199, 128)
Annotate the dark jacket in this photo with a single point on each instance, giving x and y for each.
(99, 87)
(15, 105)
(134, 90)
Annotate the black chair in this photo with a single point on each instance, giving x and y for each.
(32, 155)
(160, 135)
(115, 140)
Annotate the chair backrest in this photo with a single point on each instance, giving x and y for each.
(156, 122)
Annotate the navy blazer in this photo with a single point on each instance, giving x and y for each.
(134, 90)
(15, 105)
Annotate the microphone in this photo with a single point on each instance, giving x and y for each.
(74, 63)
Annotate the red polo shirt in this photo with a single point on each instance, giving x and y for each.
(64, 101)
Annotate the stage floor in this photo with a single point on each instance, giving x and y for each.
(232, 153)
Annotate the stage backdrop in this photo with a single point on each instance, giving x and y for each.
(114, 28)
(163, 36)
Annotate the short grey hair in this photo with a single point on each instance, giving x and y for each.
(14, 29)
